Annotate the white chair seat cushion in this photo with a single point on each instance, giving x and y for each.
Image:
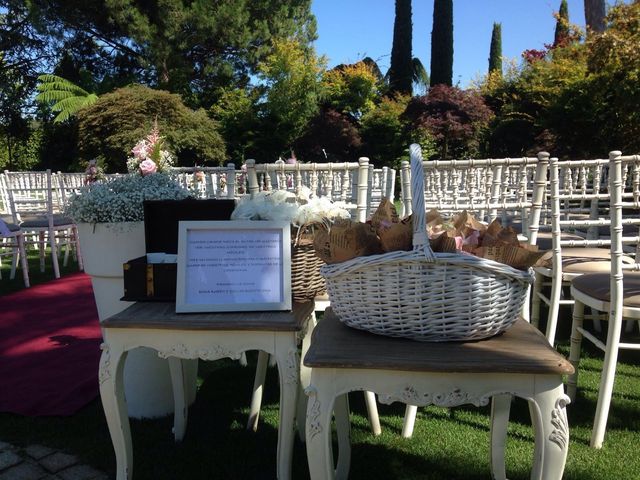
(597, 285)
(586, 260)
(41, 221)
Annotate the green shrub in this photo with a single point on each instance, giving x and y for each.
(118, 120)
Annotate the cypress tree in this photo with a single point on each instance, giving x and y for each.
(401, 70)
(562, 24)
(495, 52)
(442, 43)
(594, 13)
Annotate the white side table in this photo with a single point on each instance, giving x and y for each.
(519, 362)
(209, 336)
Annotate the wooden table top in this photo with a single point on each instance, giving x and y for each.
(162, 315)
(520, 349)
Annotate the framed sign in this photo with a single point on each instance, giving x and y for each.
(227, 266)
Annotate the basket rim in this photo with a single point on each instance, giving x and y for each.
(457, 259)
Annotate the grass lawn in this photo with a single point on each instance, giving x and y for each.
(447, 443)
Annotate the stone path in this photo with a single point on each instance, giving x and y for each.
(37, 462)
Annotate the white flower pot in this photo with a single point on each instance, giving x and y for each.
(147, 382)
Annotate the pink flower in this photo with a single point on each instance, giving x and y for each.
(141, 150)
(147, 167)
(154, 136)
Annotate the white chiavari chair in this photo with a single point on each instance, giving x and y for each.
(578, 207)
(35, 208)
(616, 292)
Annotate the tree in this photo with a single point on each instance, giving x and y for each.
(562, 31)
(192, 48)
(442, 43)
(384, 132)
(594, 14)
(401, 70)
(495, 52)
(110, 128)
(67, 98)
(330, 136)
(351, 89)
(457, 119)
(292, 75)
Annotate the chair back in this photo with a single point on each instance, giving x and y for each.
(208, 182)
(511, 190)
(341, 182)
(382, 185)
(624, 188)
(4, 196)
(31, 194)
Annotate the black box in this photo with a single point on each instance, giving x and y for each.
(157, 281)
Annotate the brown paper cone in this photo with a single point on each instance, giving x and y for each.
(398, 236)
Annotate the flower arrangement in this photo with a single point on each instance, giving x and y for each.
(120, 199)
(149, 156)
(93, 172)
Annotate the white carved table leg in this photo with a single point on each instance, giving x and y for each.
(258, 389)
(318, 430)
(343, 428)
(111, 375)
(178, 382)
(305, 378)
(549, 416)
(500, 407)
(288, 362)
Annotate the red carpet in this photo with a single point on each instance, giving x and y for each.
(49, 348)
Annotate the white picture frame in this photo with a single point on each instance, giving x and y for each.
(230, 266)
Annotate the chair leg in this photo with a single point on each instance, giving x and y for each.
(372, 410)
(76, 243)
(54, 254)
(24, 264)
(606, 381)
(535, 300)
(14, 262)
(258, 388)
(554, 307)
(576, 344)
(41, 250)
(409, 420)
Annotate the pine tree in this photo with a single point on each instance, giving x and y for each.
(442, 43)
(495, 52)
(562, 24)
(401, 70)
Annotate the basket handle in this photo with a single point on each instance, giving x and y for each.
(420, 238)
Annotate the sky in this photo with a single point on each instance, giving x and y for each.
(349, 30)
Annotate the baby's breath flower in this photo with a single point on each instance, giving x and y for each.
(120, 199)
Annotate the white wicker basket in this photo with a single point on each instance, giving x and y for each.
(436, 297)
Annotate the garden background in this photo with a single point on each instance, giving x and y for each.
(231, 80)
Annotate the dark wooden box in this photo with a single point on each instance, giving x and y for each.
(157, 281)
